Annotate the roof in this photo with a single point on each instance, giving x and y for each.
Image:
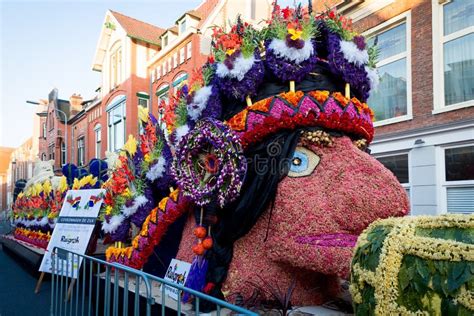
(192, 13)
(173, 29)
(139, 29)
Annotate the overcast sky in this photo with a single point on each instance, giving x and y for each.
(51, 44)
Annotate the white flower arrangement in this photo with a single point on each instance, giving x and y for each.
(241, 66)
(291, 54)
(199, 102)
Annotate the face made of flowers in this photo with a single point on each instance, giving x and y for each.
(330, 195)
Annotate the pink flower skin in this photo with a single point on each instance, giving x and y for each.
(345, 193)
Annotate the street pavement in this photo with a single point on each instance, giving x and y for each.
(17, 284)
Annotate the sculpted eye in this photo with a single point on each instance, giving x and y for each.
(303, 162)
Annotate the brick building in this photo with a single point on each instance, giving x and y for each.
(125, 44)
(5, 153)
(424, 107)
(21, 163)
(186, 45)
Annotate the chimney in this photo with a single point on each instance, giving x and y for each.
(76, 103)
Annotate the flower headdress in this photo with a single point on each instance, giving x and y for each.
(239, 67)
(348, 54)
(289, 43)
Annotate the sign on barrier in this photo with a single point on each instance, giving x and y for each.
(73, 230)
(177, 273)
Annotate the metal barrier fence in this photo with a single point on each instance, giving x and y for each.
(83, 285)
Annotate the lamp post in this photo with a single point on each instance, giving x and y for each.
(65, 127)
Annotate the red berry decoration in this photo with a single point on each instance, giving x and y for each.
(198, 249)
(207, 243)
(200, 232)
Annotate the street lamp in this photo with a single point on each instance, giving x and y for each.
(65, 127)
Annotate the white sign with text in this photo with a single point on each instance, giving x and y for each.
(73, 231)
(177, 273)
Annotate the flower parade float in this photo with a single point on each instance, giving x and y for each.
(415, 266)
(272, 176)
(37, 207)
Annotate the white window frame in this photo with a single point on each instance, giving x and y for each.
(81, 151)
(404, 185)
(387, 25)
(111, 135)
(158, 72)
(63, 153)
(189, 49)
(443, 184)
(438, 58)
(181, 23)
(164, 40)
(98, 140)
(175, 60)
(182, 58)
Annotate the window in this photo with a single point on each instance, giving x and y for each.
(63, 154)
(398, 165)
(158, 72)
(43, 156)
(51, 152)
(392, 100)
(253, 8)
(44, 130)
(116, 67)
(182, 26)
(98, 140)
(458, 185)
(175, 60)
(143, 102)
(80, 152)
(164, 40)
(457, 40)
(170, 64)
(116, 125)
(181, 55)
(182, 76)
(188, 50)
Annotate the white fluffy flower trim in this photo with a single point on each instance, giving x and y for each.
(157, 170)
(53, 223)
(241, 67)
(296, 55)
(113, 223)
(181, 132)
(353, 54)
(374, 78)
(137, 202)
(199, 102)
(43, 221)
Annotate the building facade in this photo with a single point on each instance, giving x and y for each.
(5, 153)
(186, 45)
(125, 44)
(21, 163)
(424, 107)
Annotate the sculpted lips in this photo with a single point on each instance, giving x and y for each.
(329, 240)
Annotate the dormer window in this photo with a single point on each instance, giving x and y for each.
(165, 40)
(182, 26)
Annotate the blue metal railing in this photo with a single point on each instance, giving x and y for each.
(83, 285)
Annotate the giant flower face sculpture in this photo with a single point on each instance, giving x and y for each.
(302, 187)
(330, 195)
